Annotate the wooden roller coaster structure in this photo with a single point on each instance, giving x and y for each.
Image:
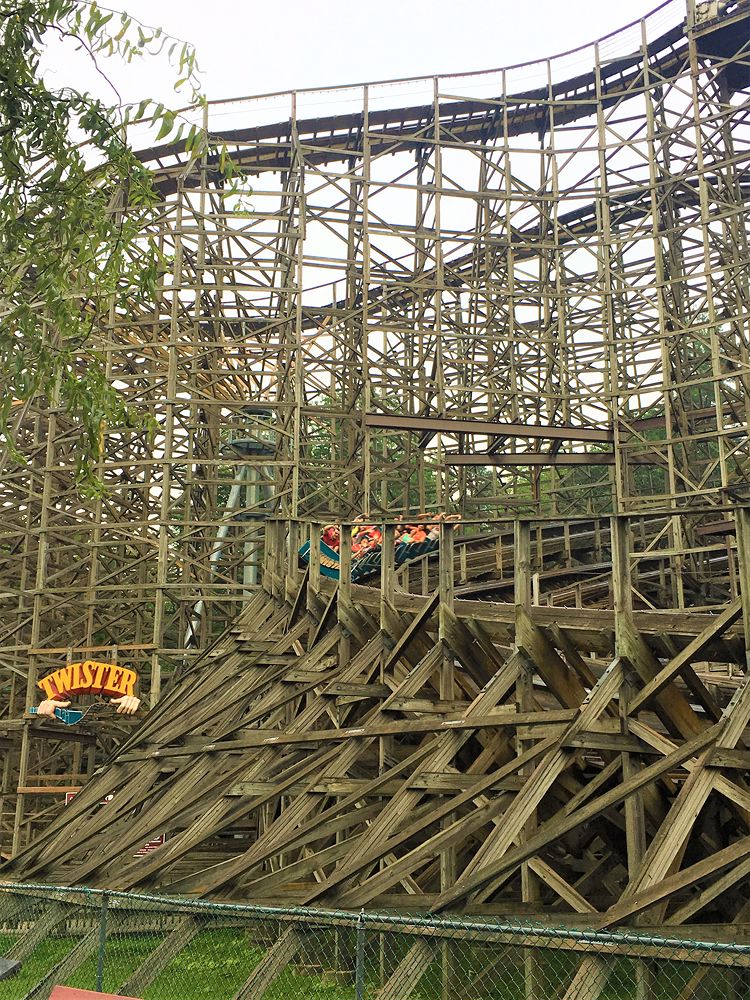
(529, 305)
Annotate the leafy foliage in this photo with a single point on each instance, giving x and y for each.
(75, 202)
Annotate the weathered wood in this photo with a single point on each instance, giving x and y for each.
(557, 883)
(272, 964)
(296, 364)
(422, 749)
(554, 828)
(52, 917)
(652, 893)
(686, 655)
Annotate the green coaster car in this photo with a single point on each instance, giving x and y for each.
(369, 563)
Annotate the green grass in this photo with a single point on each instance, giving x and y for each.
(219, 959)
(212, 967)
(44, 958)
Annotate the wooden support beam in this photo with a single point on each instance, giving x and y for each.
(501, 716)
(687, 655)
(656, 891)
(66, 967)
(559, 885)
(534, 459)
(272, 964)
(455, 425)
(176, 940)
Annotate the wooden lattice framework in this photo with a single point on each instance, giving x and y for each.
(451, 739)
(521, 294)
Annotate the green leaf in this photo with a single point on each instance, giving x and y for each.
(166, 126)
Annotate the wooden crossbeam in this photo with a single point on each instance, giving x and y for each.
(739, 871)
(505, 716)
(436, 784)
(534, 459)
(429, 847)
(455, 425)
(686, 655)
(659, 890)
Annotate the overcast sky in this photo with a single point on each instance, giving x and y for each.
(250, 47)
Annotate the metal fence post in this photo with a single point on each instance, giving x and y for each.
(359, 970)
(102, 941)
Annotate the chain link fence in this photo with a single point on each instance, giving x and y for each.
(174, 949)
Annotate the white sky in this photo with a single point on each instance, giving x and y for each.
(249, 47)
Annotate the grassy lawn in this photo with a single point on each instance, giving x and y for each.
(45, 957)
(218, 960)
(213, 967)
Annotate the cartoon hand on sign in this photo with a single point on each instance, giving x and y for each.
(49, 705)
(127, 705)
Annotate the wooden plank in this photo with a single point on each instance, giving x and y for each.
(455, 425)
(544, 775)
(428, 706)
(606, 741)
(409, 971)
(351, 690)
(671, 706)
(52, 917)
(414, 629)
(503, 716)
(714, 890)
(530, 639)
(83, 949)
(722, 784)
(447, 747)
(435, 783)
(272, 964)
(537, 459)
(312, 820)
(557, 883)
(47, 789)
(686, 655)
(428, 847)
(655, 891)
(735, 759)
(676, 827)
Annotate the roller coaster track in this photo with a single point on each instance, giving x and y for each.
(337, 137)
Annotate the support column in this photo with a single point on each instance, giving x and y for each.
(446, 693)
(635, 828)
(522, 596)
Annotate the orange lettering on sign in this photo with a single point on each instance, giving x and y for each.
(90, 677)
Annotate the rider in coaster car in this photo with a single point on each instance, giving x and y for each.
(368, 537)
(332, 536)
(427, 528)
